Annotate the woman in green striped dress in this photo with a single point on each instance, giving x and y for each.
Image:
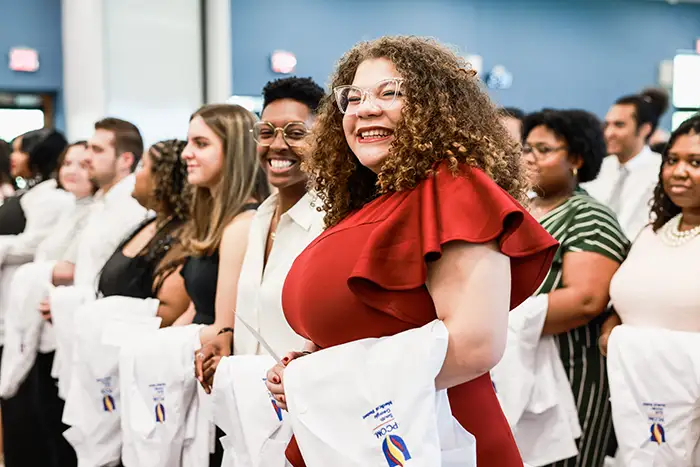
(563, 149)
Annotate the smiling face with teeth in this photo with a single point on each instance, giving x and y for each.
(281, 162)
(370, 131)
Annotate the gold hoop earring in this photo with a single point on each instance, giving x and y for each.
(574, 171)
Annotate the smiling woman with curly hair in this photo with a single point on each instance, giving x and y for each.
(421, 186)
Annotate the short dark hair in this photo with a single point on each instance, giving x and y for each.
(649, 106)
(582, 132)
(304, 90)
(512, 112)
(127, 137)
(44, 147)
(662, 208)
(5, 174)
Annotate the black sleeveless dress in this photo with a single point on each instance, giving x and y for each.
(135, 277)
(201, 274)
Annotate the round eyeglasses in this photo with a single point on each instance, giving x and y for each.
(293, 133)
(382, 95)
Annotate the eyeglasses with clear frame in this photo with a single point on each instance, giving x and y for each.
(383, 95)
(541, 151)
(293, 133)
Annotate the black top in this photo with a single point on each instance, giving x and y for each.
(201, 274)
(12, 218)
(135, 277)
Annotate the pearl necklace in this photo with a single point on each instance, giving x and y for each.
(671, 234)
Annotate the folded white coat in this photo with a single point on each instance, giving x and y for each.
(93, 403)
(533, 389)
(373, 402)
(23, 324)
(166, 419)
(64, 302)
(257, 432)
(654, 379)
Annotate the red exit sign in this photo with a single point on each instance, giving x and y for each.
(24, 59)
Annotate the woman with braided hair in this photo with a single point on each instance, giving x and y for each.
(143, 265)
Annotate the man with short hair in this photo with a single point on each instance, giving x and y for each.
(113, 153)
(629, 175)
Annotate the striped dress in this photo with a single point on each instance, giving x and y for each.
(583, 224)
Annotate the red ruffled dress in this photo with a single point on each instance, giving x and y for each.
(365, 277)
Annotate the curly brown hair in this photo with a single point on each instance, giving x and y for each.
(446, 116)
(173, 196)
(662, 208)
(171, 192)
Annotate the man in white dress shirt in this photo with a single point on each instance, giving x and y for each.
(629, 174)
(113, 153)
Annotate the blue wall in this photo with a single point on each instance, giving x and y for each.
(35, 24)
(563, 53)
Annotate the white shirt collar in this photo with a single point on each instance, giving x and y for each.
(303, 213)
(645, 156)
(123, 187)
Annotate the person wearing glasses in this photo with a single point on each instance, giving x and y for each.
(419, 183)
(563, 148)
(282, 227)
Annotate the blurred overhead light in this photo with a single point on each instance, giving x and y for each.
(283, 62)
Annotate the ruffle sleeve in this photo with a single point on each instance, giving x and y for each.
(464, 206)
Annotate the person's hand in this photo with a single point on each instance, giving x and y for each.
(63, 273)
(603, 343)
(207, 359)
(275, 378)
(45, 309)
(606, 329)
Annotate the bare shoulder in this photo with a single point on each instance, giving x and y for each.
(238, 228)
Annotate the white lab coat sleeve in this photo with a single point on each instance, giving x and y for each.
(389, 411)
(257, 432)
(64, 301)
(93, 403)
(161, 388)
(7, 273)
(43, 206)
(514, 376)
(23, 325)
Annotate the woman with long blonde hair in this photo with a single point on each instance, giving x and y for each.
(229, 184)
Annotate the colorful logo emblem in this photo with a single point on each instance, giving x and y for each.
(108, 403)
(395, 451)
(278, 411)
(658, 435)
(160, 413)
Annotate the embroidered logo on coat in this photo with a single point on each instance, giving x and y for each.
(656, 417)
(395, 451)
(160, 413)
(108, 403)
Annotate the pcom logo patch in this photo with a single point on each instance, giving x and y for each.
(108, 403)
(658, 435)
(395, 451)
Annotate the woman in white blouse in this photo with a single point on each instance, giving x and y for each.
(281, 229)
(657, 285)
